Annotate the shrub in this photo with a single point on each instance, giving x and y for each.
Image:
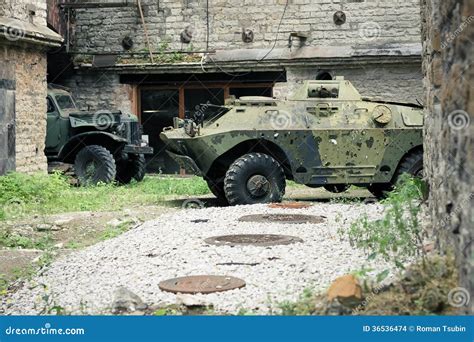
(398, 235)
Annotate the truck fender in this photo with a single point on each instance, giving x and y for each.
(75, 143)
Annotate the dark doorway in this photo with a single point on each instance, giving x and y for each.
(7, 126)
(162, 98)
(158, 107)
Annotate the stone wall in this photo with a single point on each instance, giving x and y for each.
(100, 90)
(25, 63)
(368, 22)
(28, 70)
(448, 35)
(33, 11)
(401, 83)
(31, 89)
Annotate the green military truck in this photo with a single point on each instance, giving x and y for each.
(104, 146)
(325, 134)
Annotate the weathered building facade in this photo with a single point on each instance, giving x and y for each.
(448, 35)
(163, 58)
(24, 39)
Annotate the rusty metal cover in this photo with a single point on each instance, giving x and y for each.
(252, 239)
(201, 284)
(290, 205)
(282, 218)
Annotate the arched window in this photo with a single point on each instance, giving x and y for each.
(324, 75)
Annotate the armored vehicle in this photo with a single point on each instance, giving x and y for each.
(324, 134)
(103, 146)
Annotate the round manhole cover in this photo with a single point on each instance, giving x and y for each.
(252, 239)
(282, 218)
(201, 284)
(290, 205)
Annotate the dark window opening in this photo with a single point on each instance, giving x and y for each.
(324, 76)
(50, 105)
(263, 91)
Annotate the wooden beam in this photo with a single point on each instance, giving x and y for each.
(181, 111)
(144, 29)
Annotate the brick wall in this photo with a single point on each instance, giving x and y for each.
(369, 22)
(448, 34)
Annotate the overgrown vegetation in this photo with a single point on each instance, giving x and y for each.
(304, 306)
(22, 195)
(397, 236)
(422, 290)
(10, 239)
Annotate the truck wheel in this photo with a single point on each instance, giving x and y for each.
(254, 178)
(337, 188)
(133, 168)
(94, 164)
(412, 164)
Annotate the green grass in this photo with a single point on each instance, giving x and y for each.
(9, 239)
(114, 231)
(22, 195)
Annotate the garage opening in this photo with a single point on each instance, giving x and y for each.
(162, 97)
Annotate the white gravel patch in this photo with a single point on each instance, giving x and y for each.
(84, 282)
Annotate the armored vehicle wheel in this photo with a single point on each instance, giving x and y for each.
(134, 168)
(94, 164)
(217, 188)
(412, 164)
(254, 178)
(337, 188)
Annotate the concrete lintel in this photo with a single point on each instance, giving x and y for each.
(246, 66)
(18, 32)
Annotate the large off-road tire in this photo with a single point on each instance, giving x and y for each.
(412, 163)
(94, 164)
(254, 178)
(133, 168)
(337, 188)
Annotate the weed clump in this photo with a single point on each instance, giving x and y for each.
(398, 236)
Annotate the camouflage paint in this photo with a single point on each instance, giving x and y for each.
(343, 140)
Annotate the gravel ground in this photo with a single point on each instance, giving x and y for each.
(84, 282)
